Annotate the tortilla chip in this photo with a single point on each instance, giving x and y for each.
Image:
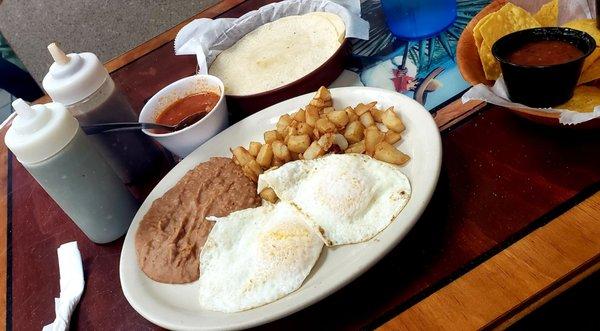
(477, 34)
(548, 14)
(590, 74)
(584, 99)
(508, 19)
(589, 26)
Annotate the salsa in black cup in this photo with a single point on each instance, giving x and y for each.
(541, 66)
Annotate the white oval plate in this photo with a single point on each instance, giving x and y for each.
(176, 306)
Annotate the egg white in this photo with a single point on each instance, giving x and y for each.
(256, 256)
(347, 198)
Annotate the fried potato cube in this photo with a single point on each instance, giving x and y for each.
(340, 141)
(338, 117)
(283, 123)
(366, 119)
(268, 194)
(252, 170)
(298, 143)
(304, 128)
(328, 110)
(357, 148)
(377, 115)
(313, 151)
(323, 94)
(386, 152)
(325, 126)
(300, 115)
(242, 155)
(265, 156)
(318, 103)
(311, 115)
(354, 132)
(326, 141)
(392, 121)
(295, 156)
(290, 131)
(351, 114)
(280, 151)
(253, 148)
(271, 136)
(392, 137)
(276, 163)
(362, 108)
(372, 137)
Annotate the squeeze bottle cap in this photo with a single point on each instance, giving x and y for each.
(73, 77)
(39, 132)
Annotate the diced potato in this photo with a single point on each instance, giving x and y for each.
(323, 94)
(280, 151)
(300, 115)
(377, 114)
(325, 126)
(328, 110)
(338, 117)
(341, 141)
(271, 136)
(362, 108)
(313, 151)
(254, 148)
(392, 137)
(268, 194)
(388, 153)
(283, 123)
(295, 156)
(276, 163)
(265, 156)
(298, 143)
(318, 103)
(290, 131)
(252, 169)
(372, 137)
(329, 103)
(304, 128)
(354, 132)
(242, 155)
(311, 115)
(351, 114)
(357, 148)
(366, 119)
(392, 121)
(326, 141)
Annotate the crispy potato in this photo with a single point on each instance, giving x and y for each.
(357, 148)
(372, 137)
(323, 94)
(340, 141)
(280, 151)
(384, 151)
(377, 115)
(311, 115)
(276, 163)
(295, 156)
(265, 156)
(328, 110)
(367, 119)
(254, 147)
(313, 151)
(392, 137)
(252, 169)
(318, 103)
(362, 108)
(268, 194)
(271, 136)
(392, 121)
(298, 143)
(290, 131)
(300, 115)
(338, 117)
(304, 128)
(351, 114)
(354, 132)
(283, 123)
(326, 141)
(242, 155)
(325, 126)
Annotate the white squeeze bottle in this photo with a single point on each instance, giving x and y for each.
(49, 143)
(81, 83)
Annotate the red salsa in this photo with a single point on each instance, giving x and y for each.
(196, 103)
(544, 52)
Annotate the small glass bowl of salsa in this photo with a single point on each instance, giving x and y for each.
(541, 66)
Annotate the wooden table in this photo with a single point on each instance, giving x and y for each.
(515, 220)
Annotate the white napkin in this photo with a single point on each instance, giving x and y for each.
(71, 286)
(206, 38)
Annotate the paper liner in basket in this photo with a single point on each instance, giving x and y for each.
(568, 10)
(206, 38)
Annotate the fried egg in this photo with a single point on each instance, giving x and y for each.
(347, 198)
(256, 256)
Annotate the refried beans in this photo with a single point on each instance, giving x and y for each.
(172, 233)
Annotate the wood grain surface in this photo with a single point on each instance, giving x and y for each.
(529, 271)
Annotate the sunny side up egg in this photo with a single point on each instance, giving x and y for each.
(256, 256)
(347, 198)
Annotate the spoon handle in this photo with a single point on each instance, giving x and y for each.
(122, 126)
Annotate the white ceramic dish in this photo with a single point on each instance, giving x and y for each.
(176, 306)
(184, 141)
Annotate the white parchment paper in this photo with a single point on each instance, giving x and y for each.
(206, 38)
(568, 10)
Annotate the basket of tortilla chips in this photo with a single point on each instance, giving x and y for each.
(501, 17)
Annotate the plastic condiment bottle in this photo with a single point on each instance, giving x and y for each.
(49, 143)
(82, 84)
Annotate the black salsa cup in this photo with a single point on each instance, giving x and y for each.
(546, 85)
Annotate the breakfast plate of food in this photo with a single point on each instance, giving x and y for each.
(281, 209)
